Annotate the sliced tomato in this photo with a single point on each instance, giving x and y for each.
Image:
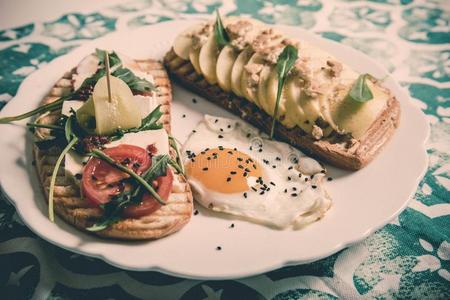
(148, 204)
(101, 181)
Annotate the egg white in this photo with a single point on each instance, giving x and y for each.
(291, 199)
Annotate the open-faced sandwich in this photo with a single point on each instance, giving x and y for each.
(104, 154)
(322, 106)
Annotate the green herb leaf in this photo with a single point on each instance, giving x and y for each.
(100, 155)
(360, 91)
(158, 168)
(114, 59)
(41, 109)
(112, 211)
(285, 62)
(150, 122)
(179, 162)
(135, 83)
(220, 33)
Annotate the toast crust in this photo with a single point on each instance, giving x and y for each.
(68, 203)
(347, 153)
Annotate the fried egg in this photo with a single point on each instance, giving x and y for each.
(233, 168)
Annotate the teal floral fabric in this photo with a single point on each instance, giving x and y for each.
(407, 259)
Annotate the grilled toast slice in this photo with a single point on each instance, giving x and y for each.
(68, 202)
(341, 151)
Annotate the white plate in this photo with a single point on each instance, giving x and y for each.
(363, 201)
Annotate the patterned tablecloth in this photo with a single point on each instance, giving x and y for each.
(408, 258)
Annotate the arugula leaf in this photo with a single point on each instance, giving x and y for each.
(113, 57)
(135, 83)
(220, 33)
(285, 62)
(360, 91)
(148, 123)
(112, 210)
(41, 109)
(140, 179)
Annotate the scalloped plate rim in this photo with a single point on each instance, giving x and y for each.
(420, 138)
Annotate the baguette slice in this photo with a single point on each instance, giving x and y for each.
(68, 203)
(340, 151)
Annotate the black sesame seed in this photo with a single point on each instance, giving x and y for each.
(195, 212)
(251, 148)
(245, 174)
(232, 225)
(230, 152)
(246, 170)
(228, 179)
(290, 168)
(194, 100)
(235, 149)
(220, 136)
(254, 166)
(294, 188)
(205, 169)
(260, 150)
(300, 175)
(78, 176)
(218, 248)
(277, 158)
(233, 172)
(245, 195)
(221, 130)
(289, 178)
(220, 148)
(274, 166)
(323, 171)
(240, 166)
(261, 193)
(285, 190)
(329, 179)
(239, 159)
(272, 183)
(254, 189)
(194, 131)
(229, 126)
(314, 186)
(312, 176)
(306, 179)
(208, 158)
(216, 120)
(183, 116)
(294, 194)
(248, 135)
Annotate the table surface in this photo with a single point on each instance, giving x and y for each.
(408, 258)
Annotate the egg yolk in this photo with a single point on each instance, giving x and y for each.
(223, 170)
